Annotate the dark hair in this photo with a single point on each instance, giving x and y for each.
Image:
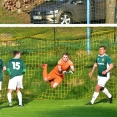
(15, 53)
(103, 47)
(65, 54)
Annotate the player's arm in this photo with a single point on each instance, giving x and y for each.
(24, 68)
(4, 68)
(108, 69)
(72, 69)
(8, 68)
(109, 60)
(9, 71)
(60, 70)
(60, 67)
(93, 69)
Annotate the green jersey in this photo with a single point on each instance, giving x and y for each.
(103, 63)
(1, 69)
(16, 67)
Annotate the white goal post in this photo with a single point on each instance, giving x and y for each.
(58, 25)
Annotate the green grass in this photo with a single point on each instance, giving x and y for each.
(38, 47)
(60, 108)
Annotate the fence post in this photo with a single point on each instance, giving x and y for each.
(88, 28)
(110, 11)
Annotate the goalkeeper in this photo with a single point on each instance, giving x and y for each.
(56, 76)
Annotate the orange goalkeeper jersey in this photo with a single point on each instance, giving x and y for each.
(64, 66)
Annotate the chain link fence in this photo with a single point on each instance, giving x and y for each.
(53, 11)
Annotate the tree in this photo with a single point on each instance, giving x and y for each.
(110, 11)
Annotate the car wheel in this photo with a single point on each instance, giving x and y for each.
(66, 18)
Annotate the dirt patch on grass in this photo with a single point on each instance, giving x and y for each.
(8, 17)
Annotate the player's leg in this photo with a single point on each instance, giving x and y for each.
(1, 79)
(55, 84)
(11, 86)
(9, 96)
(19, 86)
(56, 81)
(19, 95)
(0, 89)
(44, 66)
(96, 92)
(105, 90)
(95, 95)
(51, 82)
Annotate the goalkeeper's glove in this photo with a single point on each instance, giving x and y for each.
(64, 72)
(71, 72)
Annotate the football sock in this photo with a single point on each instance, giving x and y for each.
(9, 97)
(19, 95)
(105, 91)
(45, 72)
(95, 95)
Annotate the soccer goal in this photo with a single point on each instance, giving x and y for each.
(41, 44)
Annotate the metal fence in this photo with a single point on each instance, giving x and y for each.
(52, 11)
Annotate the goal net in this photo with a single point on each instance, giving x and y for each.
(45, 44)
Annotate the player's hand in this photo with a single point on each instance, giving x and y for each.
(104, 72)
(64, 72)
(90, 74)
(71, 72)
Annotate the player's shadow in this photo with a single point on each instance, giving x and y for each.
(24, 102)
(105, 100)
(2, 105)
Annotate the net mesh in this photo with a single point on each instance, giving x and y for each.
(46, 45)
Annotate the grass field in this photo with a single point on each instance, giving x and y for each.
(60, 108)
(32, 42)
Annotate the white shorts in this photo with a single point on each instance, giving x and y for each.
(103, 80)
(15, 82)
(0, 85)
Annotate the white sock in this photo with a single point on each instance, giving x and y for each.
(9, 97)
(19, 95)
(105, 91)
(95, 95)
